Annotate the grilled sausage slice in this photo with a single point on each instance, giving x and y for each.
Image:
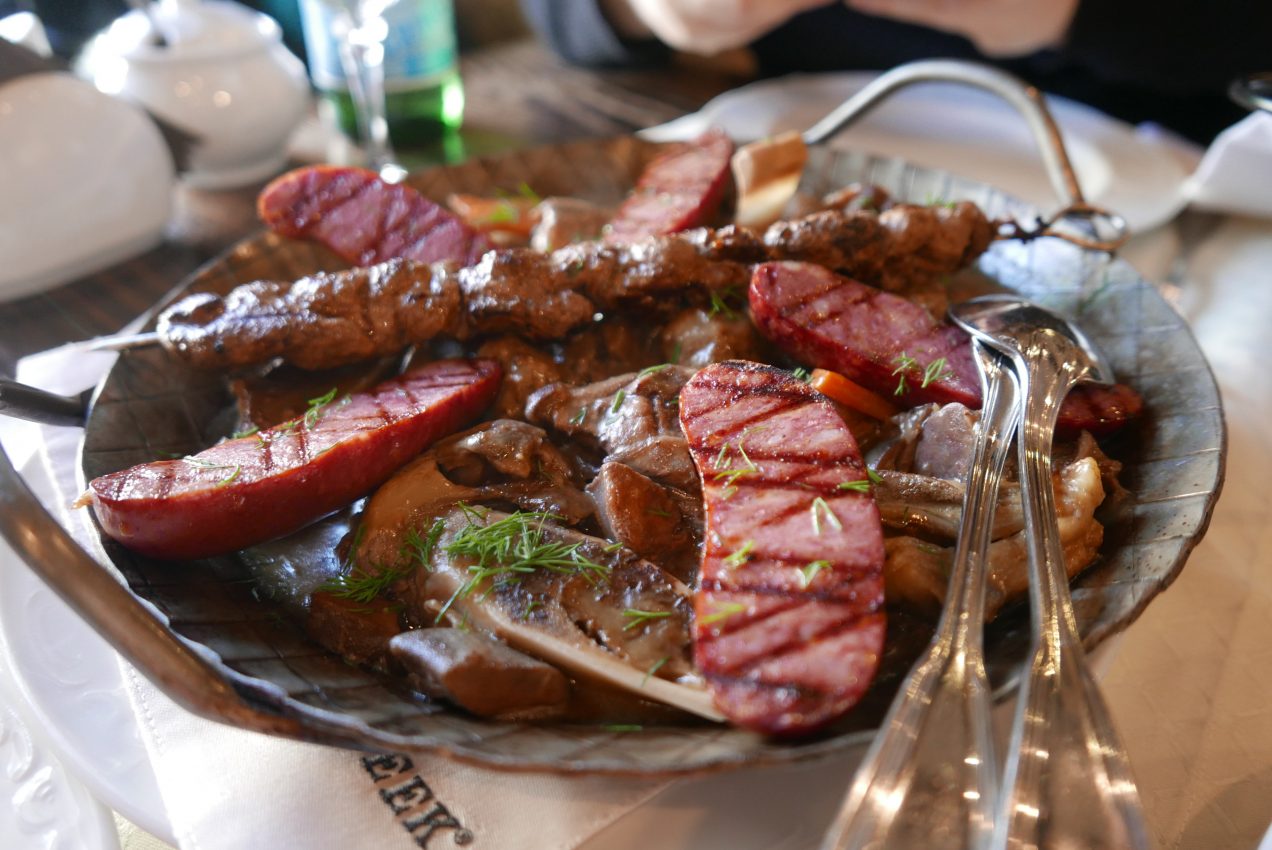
(893, 346)
(789, 621)
(251, 489)
(364, 219)
(678, 190)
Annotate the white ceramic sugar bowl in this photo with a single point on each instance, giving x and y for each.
(223, 77)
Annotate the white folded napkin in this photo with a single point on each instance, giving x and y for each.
(1235, 175)
(227, 788)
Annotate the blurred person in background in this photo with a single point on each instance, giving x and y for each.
(1139, 60)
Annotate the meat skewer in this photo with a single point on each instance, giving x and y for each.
(330, 319)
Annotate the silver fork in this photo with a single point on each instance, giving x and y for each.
(1067, 782)
(930, 778)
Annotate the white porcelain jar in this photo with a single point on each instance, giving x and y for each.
(223, 76)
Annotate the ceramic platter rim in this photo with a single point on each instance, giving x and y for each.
(148, 403)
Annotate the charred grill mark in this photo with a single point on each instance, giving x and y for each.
(832, 630)
(776, 592)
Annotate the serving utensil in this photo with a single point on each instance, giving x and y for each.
(930, 777)
(1067, 781)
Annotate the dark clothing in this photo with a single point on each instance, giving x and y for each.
(1139, 60)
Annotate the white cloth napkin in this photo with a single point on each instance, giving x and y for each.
(1235, 175)
(228, 789)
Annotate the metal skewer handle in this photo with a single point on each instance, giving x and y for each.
(1105, 230)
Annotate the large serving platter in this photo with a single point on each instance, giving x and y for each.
(150, 406)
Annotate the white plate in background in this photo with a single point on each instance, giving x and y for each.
(963, 130)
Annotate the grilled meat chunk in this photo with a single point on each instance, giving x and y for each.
(630, 419)
(255, 488)
(654, 521)
(682, 188)
(788, 614)
(526, 369)
(890, 345)
(364, 219)
(696, 337)
(479, 674)
(317, 322)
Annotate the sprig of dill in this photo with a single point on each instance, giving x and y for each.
(511, 547)
(640, 617)
(316, 407)
(203, 463)
(819, 509)
(720, 305)
(810, 570)
(651, 370)
(723, 610)
(421, 546)
(740, 556)
(937, 370)
(654, 668)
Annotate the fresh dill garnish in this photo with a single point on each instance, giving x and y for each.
(619, 398)
(723, 610)
(650, 370)
(862, 485)
(801, 374)
(675, 353)
(524, 190)
(363, 587)
(654, 668)
(246, 432)
(577, 419)
(203, 463)
(810, 570)
(316, 405)
(639, 617)
(533, 604)
(730, 475)
(908, 367)
(904, 364)
(421, 546)
(727, 492)
(658, 512)
(720, 302)
(740, 556)
(511, 547)
(820, 509)
(623, 727)
(613, 547)
(937, 370)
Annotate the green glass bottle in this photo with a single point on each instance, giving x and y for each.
(424, 97)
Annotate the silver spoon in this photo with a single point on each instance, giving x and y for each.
(1067, 782)
(929, 779)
